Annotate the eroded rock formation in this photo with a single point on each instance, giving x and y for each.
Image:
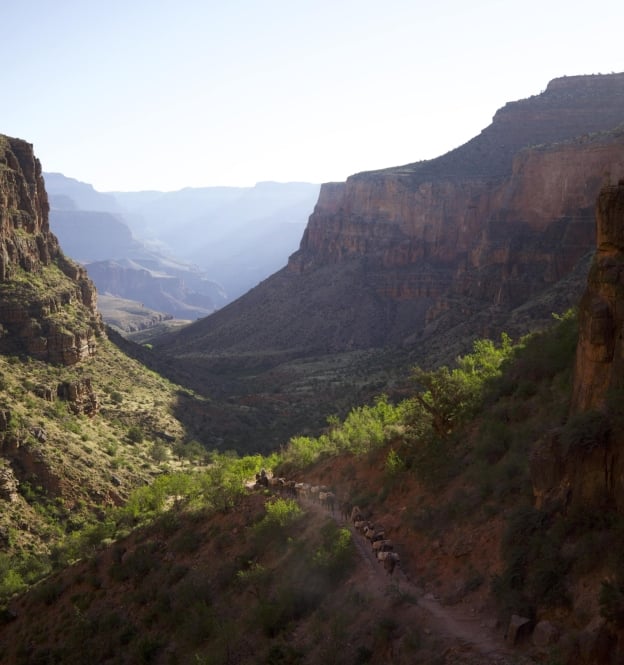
(581, 462)
(80, 396)
(496, 220)
(599, 367)
(47, 303)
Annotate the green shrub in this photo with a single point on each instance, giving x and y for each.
(290, 604)
(159, 452)
(335, 556)
(280, 513)
(198, 622)
(612, 601)
(394, 463)
(585, 432)
(494, 441)
(283, 654)
(135, 434)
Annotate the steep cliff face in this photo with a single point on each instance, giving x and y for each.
(600, 355)
(515, 223)
(394, 258)
(47, 302)
(582, 462)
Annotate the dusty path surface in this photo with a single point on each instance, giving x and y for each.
(468, 633)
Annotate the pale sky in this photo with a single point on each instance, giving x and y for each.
(160, 94)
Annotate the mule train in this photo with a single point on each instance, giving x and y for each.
(323, 496)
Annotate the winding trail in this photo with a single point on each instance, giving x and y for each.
(453, 624)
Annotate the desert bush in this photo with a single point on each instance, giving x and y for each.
(543, 355)
(611, 600)
(335, 555)
(283, 654)
(494, 441)
(365, 429)
(394, 464)
(159, 452)
(190, 450)
(289, 604)
(448, 397)
(585, 432)
(11, 580)
(136, 564)
(186, 542)
(135, 434)
(198, 622)
(280, 513)
(535, 570)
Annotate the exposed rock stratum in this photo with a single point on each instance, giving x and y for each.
(47, 302)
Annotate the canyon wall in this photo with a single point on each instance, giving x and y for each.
(581, 463)
(494, 239)
(599, 369)
(454, 245)
(47, 303)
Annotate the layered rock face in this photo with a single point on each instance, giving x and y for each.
(47, 303)
(582, 463)
(394, 258)
(600, 354)
(496, 220)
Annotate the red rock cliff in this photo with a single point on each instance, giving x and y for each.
(452, 246)
(600, 353)
(47, 303)
(492, 220)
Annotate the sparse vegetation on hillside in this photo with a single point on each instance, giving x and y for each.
(458, 455)
(61, 467)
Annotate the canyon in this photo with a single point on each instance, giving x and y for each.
(487, 227)
(410, 264)
(518, 507)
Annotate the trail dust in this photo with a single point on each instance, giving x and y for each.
(463, 637)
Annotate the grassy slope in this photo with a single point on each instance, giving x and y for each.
(85, 463)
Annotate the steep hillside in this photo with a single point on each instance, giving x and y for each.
(219, 572)
(494, 222)
(80, 423)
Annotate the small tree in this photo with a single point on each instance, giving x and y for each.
(449, 396)
(135, 434)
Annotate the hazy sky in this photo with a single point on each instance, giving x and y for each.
(159, 94)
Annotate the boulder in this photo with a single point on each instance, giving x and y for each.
(8, 484)
(518, 630)
(545, 634)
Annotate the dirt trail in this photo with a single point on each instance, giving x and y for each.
(450, 623)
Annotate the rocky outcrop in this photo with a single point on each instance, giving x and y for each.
(599, 367)
(47, 303)
(80, 396)
(8, 484)
(581, 463)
